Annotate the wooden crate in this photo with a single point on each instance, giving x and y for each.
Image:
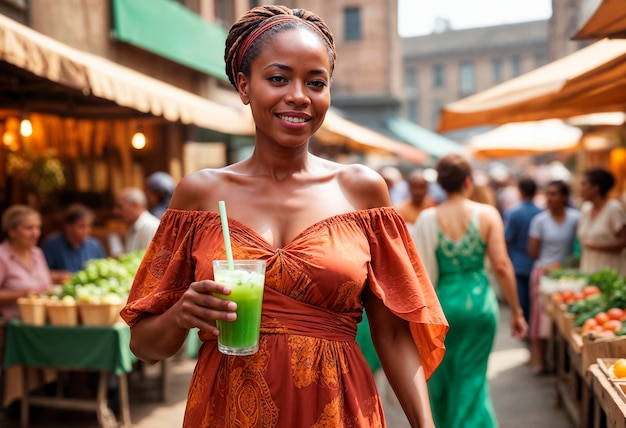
(99, 314)
(32, 311)
(609, 407)
(564, 320)
(62, 314)
(599, 346)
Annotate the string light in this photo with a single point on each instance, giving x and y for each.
(26, 127)
(139, 140)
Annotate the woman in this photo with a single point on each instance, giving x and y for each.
(551, 237)
(333, 246)
(602, 225)
(454, 240)
(23, 268)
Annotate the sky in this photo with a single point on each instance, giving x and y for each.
(417, 17)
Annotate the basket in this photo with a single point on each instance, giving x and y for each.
(32, 311)
(62, 314)
(100, 314)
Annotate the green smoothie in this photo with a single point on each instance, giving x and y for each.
(241, 337)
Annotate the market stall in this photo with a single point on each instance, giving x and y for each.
(588, 312)
(104, 350)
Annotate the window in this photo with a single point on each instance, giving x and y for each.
(352, 23)
(438, 76)
(496, 70)
(411, 81)
(516, 66)
(411, 110)
(467, 78)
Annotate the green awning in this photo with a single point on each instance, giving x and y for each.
(170, 30)
(430, 142)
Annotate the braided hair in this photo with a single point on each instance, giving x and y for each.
(243, 44)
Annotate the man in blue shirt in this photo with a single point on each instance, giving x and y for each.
(67, 251)
(516, 225)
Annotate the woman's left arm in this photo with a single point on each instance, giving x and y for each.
(400, 360)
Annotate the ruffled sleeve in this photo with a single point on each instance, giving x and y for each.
(166, 270)
(397, 276)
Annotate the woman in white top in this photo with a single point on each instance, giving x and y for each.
(602, 225)
(551, 239)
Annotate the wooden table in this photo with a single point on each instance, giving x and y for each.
(104, 350)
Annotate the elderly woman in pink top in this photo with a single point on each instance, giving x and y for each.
(23, 268)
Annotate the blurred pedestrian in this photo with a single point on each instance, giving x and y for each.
(551, 239)
(454, 239)
(516, 226)
(131, 207)
(420, 199)
(67, 251)
(23, 268)
(602, 226)
(396, 184)
(159, 187)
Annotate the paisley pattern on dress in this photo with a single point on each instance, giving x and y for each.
(309, 370)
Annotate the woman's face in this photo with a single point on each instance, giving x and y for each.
(586, 189)
(289, 88)
(554, 198)
(27, 232)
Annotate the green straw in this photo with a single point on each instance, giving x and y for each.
(229, 250)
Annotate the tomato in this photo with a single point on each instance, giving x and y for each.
(601, 318)
(612, 325)
(619, 368)
(591, 290)
(578, 296)
(615, 313)
(557, 298)
(589, 324)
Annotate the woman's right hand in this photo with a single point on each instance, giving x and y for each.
(199, 307)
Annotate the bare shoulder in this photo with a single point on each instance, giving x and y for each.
(364, 187)
(488, 212)
(195, 190)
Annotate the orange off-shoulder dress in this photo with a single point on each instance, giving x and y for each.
(309, 370)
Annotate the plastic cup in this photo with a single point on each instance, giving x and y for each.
(246, 279)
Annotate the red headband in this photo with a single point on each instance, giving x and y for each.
(269, 23)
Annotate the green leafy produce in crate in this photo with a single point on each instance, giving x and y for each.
(105, 280)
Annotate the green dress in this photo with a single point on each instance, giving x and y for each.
(459, 391)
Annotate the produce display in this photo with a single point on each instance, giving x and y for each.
(600, 305)
(588, 314)
(102, 280)
(97, 293)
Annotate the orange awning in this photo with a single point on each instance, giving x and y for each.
(337, 131)
(591, 80)
(525, 138)
(93, 75)
(608, 20)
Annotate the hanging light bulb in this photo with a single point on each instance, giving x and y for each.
(139, 140)
(8, 139)
(26, 128)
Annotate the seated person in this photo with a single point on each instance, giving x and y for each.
(67, 251)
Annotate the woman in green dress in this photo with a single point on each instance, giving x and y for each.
(454, 240)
